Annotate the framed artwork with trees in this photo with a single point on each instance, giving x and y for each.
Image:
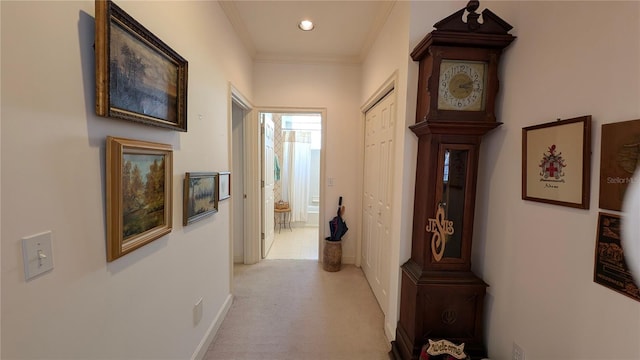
(139, 194)
(138, 77)
(200, 196)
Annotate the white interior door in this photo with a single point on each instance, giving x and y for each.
(377, 196)
(267, 183)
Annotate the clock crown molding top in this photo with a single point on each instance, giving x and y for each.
(492, 23)
(493, 32)
(458, 71)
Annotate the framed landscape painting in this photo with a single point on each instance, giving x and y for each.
(139, 194)
(200, 196)
(138, 77)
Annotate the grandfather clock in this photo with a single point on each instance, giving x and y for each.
(457, 86)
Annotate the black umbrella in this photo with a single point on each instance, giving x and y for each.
(337, 225)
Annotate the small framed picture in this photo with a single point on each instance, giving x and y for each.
(225, 185)
(139, 194)
(200, 196)
(556, 166)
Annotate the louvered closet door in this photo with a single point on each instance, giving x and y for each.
(378, 169)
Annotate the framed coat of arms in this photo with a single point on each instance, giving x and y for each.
(556, 166)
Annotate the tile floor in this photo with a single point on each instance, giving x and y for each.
(297, 243)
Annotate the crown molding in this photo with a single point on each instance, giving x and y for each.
(378, 23)
(305, 59)
(233, 15)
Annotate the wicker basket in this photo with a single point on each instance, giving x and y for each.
(280, 205)
(332, 255)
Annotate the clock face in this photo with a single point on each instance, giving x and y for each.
(462, 85)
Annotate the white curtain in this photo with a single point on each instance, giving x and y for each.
(296, 170)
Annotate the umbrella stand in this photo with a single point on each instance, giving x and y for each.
(332, 252)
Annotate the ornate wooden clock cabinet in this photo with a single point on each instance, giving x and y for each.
(458, 82)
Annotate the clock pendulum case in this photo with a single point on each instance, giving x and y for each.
(440, 296)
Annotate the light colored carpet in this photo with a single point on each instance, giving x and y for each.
(293, 309)
(297, 243)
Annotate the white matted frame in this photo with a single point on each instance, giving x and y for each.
(556, 162)
(224, 182)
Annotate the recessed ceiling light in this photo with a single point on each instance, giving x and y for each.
(305, 25)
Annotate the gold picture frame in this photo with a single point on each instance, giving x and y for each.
(556, 162)
(200, 196)
(138, 77)
(139, 194)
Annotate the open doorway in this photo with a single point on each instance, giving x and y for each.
(238, 114)
(296, 190)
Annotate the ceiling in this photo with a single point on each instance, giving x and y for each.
(344, 30)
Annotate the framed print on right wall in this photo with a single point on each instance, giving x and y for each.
(610, 268)
(619, 154)
(556, 162)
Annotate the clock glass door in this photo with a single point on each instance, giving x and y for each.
(455, 162)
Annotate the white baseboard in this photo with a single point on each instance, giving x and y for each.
(389, 331)
(202, 348)
(348, 259)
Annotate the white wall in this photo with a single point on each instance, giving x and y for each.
(53, 171)
(390, 55)
(237, 183)
(570, 59)
(584, 60)
(335, 87)
(0, 183)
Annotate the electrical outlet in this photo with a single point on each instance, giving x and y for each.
(518, 352)
(197, 312)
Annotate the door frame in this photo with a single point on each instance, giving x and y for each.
(251, 217)
(391, 83)
(253, 146)
(267, 228)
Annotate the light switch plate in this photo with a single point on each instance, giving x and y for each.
(37, 254)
